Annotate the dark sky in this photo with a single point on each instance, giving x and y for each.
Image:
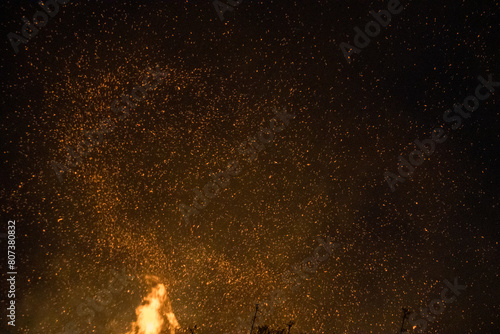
(322, 175)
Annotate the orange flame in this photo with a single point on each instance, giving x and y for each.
(150, 315)
(173, 322)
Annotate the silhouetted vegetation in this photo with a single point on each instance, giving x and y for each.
(267, 330)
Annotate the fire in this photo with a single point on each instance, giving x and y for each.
(150, 315)
(173, 322)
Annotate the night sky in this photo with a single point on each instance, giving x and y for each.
(341, 126)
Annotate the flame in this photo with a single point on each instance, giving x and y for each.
(173, 322)
(150, 313)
